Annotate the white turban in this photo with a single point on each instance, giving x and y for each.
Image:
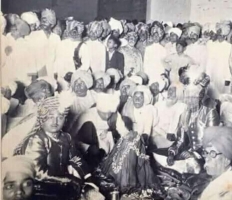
(30, 18)
(194, 29)
(115, 73)
(107, 103)
(21, 164)
(170, 24)
(104, 76)
(50, 15)
(137, 79)
(146, 92)
(177, 31)
(84, 76)
(226, 113)
(116, 25)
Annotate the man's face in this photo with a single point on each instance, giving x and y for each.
(111, 44)
(173, 37)
(143, 36)
(54, 122)
(138, 99)
(77, 31)
(80, 88)
(125, 90)
(116, 33)
(179, 49)
(154, 88)
(95, 33)
(132, 41)
(17, 186)
(14, 32)
(206, 35)
(215, 165)
(167, 38)
(99, 85)
(45, 25)
(194, 37)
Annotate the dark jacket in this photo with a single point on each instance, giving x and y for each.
(116, 61)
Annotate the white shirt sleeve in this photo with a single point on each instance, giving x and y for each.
(120, 126)
(85, 58)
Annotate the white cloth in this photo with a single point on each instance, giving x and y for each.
(220, 188)
(19, 63)
(97, 51)
(198, 52)
(153, 61)
(64, 57)
(44, 49)
(145, 119)
(218, 66)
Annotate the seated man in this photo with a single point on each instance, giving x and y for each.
(98, 127)
(18, 175)
(52, 150)
(217, 142)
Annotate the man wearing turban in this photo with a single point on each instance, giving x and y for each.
(99, 126)
(18, 175)
(32, 19)
(44, 44)
(217, 142)
(71, 50)
(101, 81)
(97, 50)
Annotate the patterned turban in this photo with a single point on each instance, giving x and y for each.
(21, 164)
(224, 26)
(84, 76)
(141, 27)
(104, 76)
(50, 15)
(93, 26)
(30, 18)
(194, 29)
(146, 92)
(128, 82)
(221, 138)
(132, 34)
(115, 73)
(72, 24)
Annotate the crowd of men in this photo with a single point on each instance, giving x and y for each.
(115, 109)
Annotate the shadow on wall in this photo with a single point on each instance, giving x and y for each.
(83, 10)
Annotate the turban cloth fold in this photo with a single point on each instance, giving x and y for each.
(177, 31)
(30, 18)
(194, 29)
(116, 25)
(51, 104)
(22, 27)
(146, 92)
(132, 34)
(137, 79)
(50, 15)
(102, 75)
(221, 138)
(84, 76)
(128, 82)
(224, 26)
(11, 18)
(72, 24)
(226, 112)
(114, 73)
(107, 103)
(21, 164)
(93, 26)
(36, 87)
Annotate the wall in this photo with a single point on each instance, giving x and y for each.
(211, 10)
(122, 9)
(168, 10)
(83, 10)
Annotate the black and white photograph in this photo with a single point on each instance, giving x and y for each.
(116, 99)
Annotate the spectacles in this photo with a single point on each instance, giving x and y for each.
(212, 154)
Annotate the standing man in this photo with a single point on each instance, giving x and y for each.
(114, 59)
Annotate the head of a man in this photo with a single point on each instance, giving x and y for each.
(18, 183)
(181, 46)
(157, 32)
(217, 143)
(113, 43)
(95, 30)
(80, 88)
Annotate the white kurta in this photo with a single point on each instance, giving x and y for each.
(153, 61)
(64, 57)
(97, 53)
(19, 63)
(198, 52)
(44, 50)
(218, 66)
